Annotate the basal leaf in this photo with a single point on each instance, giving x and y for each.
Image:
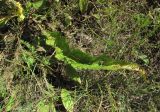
(96, 66)
(83, 61)
(67, 100)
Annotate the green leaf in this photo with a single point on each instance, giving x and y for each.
(110, 65)
(83, 5)
(43, 107)
(37, 4)
(67, 100)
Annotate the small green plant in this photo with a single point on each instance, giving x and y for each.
(83, 5)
